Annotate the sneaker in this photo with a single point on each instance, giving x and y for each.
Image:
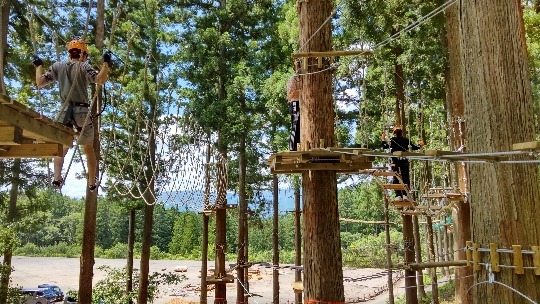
(405, 198)
(398, 199)
(93, 186)
(58, 183)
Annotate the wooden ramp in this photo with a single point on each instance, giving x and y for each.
(345, 161)
(24, 133)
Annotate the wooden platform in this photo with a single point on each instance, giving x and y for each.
(341, 160)
(226, 279)
(24, 133)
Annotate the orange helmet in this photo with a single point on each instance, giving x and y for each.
(396, 128)
(78, 44)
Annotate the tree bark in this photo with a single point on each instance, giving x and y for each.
(323, 273)
(4, 23)
(461, 214)
(5, 267)
(410, 275)
(149, 182)
(131, 244)
(498, 112)
(89, 231)
(275, 240)
(418, 256)
(297, 240)
(242, 224)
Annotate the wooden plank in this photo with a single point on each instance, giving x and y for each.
(30, 124)
(331, 53)
(383, 173)
(536, 259)
(418, 266)
(434, 195)
(531, 145)
(518, 259)
(5, 99)
(468, 252)
(298, 168)
(494, 257)
(410, 154)
(476, 257)
(401, 204)
(31, 151)
(394, 186)
(11, 135)
(226, 279)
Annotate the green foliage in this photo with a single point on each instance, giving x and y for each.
(370, 250)
(112, 288)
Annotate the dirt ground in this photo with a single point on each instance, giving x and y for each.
(64, 272)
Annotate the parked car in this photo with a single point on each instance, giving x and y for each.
(70, 300)
(59, 295)
(33, 296)
(41, 292)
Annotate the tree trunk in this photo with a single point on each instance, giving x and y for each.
(131, 244)
(242, 223)
(418, 256)
(297, 240)
(499, 112)
(4, 22)
(323, 273)
(455, 105)
(432, 271)
(390, 281)
(220, 294)
(5, 267)
(275, 241)
(410, 275)
(90, 213)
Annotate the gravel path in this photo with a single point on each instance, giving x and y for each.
(64, 272)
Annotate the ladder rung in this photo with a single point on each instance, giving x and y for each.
(394, 186)
(403, 203)
(383, 173)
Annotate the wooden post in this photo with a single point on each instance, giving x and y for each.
(221, 243)
(204, 265)
(418, 255)
(446, 245)
(297, 241)
(433, 271)
(204, 249)
(410, 275)
(275, 241)
(131, 244)
(390, 282)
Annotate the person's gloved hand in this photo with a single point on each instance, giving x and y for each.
(421, 143)
(107, 57)
(383, 136)
(37, 61)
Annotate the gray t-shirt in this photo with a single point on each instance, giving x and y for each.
(72, 73)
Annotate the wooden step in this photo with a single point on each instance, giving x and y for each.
(402, 203)
(410, 212)
(434, 195)
(394, 186)
(383, 173)
(431, 207)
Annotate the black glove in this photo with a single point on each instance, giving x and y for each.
(37, 61)
(107, 57)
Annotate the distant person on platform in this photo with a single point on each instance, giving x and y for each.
(400, 164)
(293, 96)
(73, 77)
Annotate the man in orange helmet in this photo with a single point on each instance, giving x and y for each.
(400, 164)
(73, 77)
